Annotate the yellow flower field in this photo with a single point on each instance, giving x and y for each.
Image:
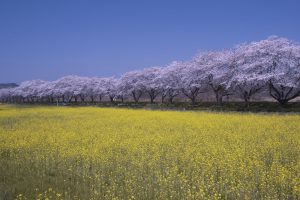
(109, 153)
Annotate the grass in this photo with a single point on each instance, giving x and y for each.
(110, 153)
(256, 107)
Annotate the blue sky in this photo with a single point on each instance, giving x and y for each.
(47, 39)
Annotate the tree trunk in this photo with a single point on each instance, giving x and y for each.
(219, 96)
(171, 99)
(193, 99)
(283, 94)
(152, 99)
(136, 96)
(152, 94)
(192, 95)
(111, 99)
(246, 99)
(163, 98)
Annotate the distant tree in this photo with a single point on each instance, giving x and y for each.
(131, 84)
(110, 87)
(191, 78)
(216, 69)
(96, 89)
(169, 81)
(65, 88)
(29, 91)
(8, 85)
(149, 82)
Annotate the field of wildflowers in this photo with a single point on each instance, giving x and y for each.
(108, 153)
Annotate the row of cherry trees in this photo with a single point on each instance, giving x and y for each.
(271, 65)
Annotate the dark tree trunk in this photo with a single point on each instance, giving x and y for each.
(172, 94)
(50, 99)
(163, 96)
(136, 95)
(152, 94)
(219, 92)
(192, 94)
(246, 99)
(246, 94)
(92, 99)
(283, 94)
(111, 99)
(219, 97)
(152, 99)
(193, 99)
(82, 98)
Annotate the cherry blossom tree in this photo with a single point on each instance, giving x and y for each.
(46, 92)
(168, 81)
(67, 88)
(216, 69)
(247, 79)
(274, 62)
(191, 78)
(110, 87)
(131, 84)
(82, 88)
(29, 90)
(149, 82)
(96, 89)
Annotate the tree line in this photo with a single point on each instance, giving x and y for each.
(270, 66)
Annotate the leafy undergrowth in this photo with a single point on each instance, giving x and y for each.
(109, 153)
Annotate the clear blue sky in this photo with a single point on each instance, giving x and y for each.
(47, 39)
